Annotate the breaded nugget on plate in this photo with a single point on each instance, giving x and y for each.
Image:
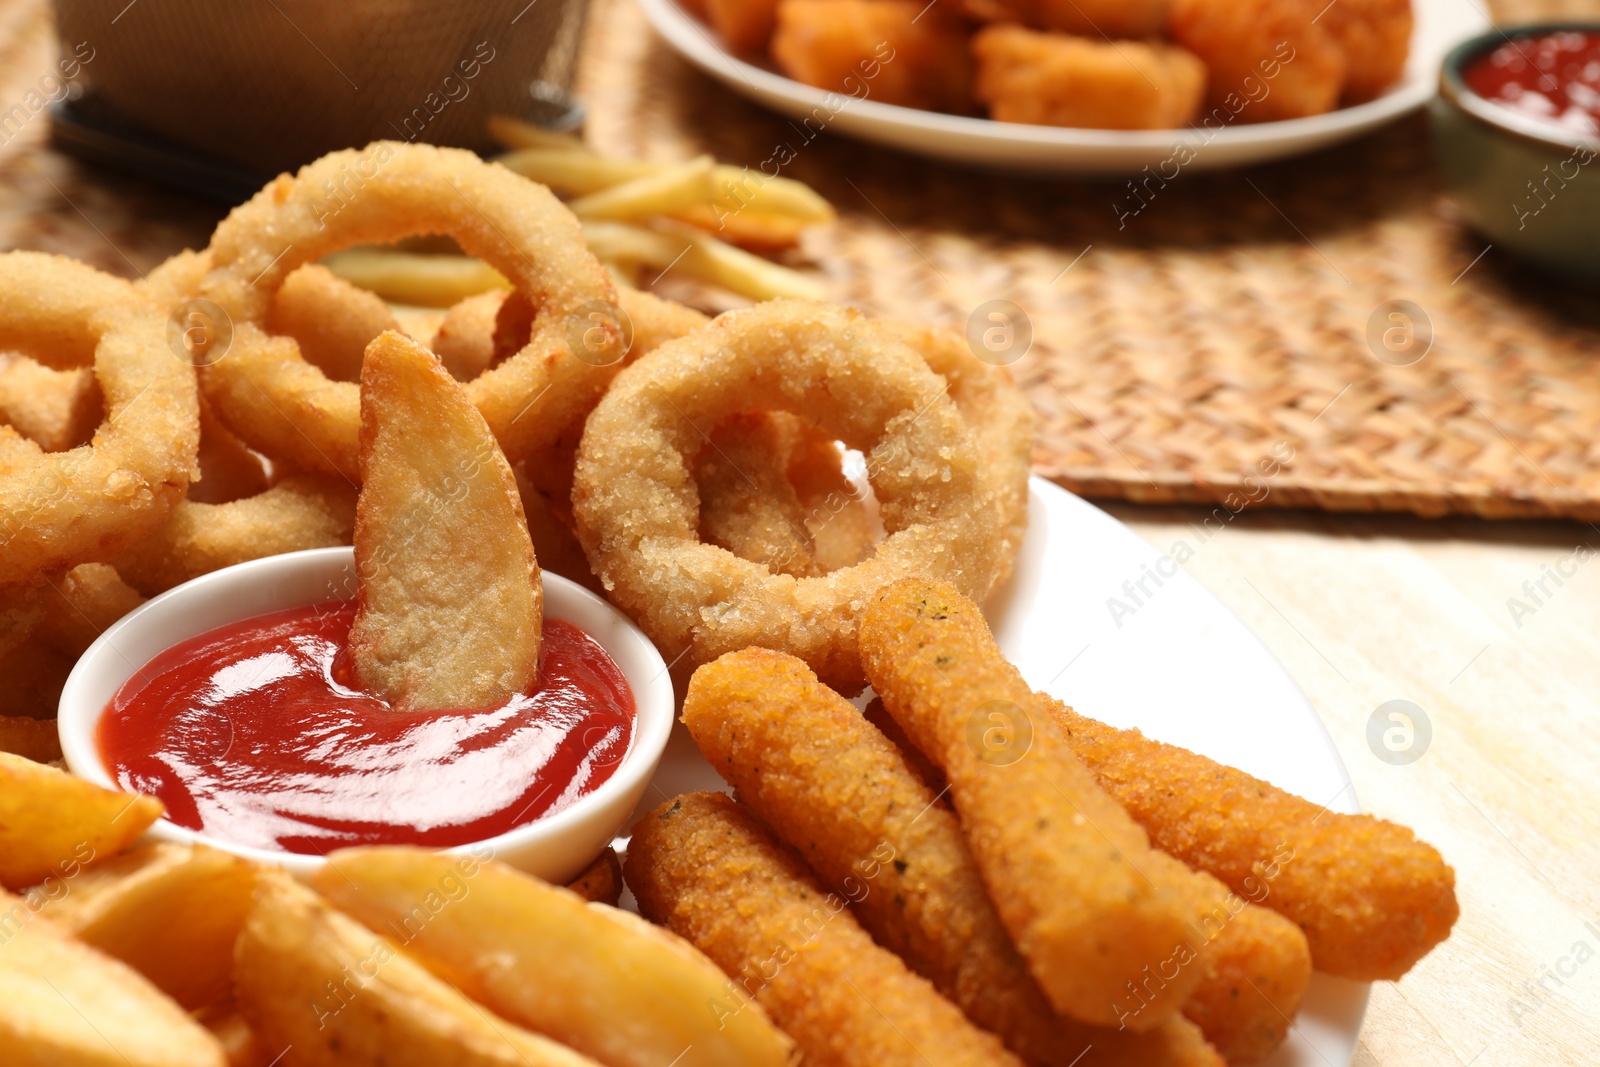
(702, 866)
(1052, 79)
(893, 51)
(835, 788)
(744, 25)
(1267, 59)
(1371, 898)
(1099, 19)
(1376, 38)
(1069, 872)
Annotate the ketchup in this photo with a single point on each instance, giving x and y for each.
(245, 734)
(1554, 77)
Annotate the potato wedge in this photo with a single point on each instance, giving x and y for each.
(451, 608)
(229, 1026)
(600, 980)
(52, 824)
(171, 912)
(327, 991)
(63, 1004)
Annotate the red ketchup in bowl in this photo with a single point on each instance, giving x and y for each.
(247, 735)
(1553, 77)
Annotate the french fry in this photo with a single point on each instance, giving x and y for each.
(576, 173)
(738, 271)
(671, 189)
(515, 133)
(413, 278)
(740, 188)
(52, 823)
(619, 242)
(171, 912)
(599, 980)
(31, 738)
(747, 229)
(450, 605)
(334, 994)
(63, 1004)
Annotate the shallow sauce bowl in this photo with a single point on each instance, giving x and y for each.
(555, 847)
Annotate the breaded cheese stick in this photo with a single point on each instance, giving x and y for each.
(702, 866)
(1063, 863)
(1371, 898)
(834, 788)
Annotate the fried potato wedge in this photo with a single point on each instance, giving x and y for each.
(451, 607)
(52, 823)
(600, 980)
(327, 992)
(63, 1004)
(171, 912)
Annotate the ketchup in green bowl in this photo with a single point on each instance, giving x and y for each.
(247, 734)
(1553, 77)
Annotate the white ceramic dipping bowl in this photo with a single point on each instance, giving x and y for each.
(556, 847)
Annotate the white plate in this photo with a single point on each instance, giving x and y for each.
(1440, 24)
(1182, 668)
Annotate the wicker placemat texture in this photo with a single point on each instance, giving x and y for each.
(1212, 346)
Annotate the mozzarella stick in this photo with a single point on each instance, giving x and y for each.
(703, 867)
(836, 789)
(1063, 863)
(1371, 898)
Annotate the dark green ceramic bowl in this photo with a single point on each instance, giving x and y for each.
(1531, 188)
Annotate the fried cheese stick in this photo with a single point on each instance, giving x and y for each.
(702, 866)
(1371, 898)
(838, 791)
(1068, 870)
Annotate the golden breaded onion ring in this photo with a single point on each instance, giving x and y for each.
(89, 503)
(637, 506)
(286, 407)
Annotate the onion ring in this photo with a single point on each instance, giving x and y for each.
(284, 406)
(90, 503)
(748, 505)
(637, 506)
(332, 320)
(59, 409)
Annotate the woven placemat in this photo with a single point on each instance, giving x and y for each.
(1213, 346)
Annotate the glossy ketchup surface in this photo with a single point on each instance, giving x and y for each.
(1553, 77)
(246, 734)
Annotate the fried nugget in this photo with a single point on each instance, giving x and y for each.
(892, 51)
(601, 881)
(1267, 59)
(1051, 79)
(1376, 38)
(1068, 870)
(745, 26)
(838, 791)
(702, 866)
(1099, 19)
(332, 320)
(1371, 898)
(58, 409)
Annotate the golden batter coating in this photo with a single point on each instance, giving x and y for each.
(833, 787)
(1376, 38)
(1065, 865)
(1371, 898)
(1052, 79)
(1268, 59)
(901, 52)
(702, 866)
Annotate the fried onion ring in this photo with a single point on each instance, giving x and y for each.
(284, 406)
(90, 503)
(637, 506)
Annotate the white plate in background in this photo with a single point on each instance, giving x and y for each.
(1440, 24)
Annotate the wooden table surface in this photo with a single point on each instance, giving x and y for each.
(1489, 628)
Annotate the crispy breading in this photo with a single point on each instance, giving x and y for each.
(1371, 898)
(1267, 59)
(838, 791)
(705, 868)
(1066, 867)
(901, 52)
(1052, 79)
